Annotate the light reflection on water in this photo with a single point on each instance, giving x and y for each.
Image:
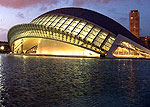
(47, 81)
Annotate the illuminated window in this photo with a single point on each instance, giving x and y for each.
(51, 20)
(76, 41)
(78, 28)
(36, 20)
(100, 38)
(40, 19)
(61, 22)
(102, 35)
(98, 43)
(69, 29)
(92, 34)
(76, 31)
(64, 26)
(126, 49)
(56, 21)
(72, 26)
(83, 34)
(45, 22)
(85, 31)
(108, 43)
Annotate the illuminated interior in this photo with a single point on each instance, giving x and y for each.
(50, 47)
(126, 49)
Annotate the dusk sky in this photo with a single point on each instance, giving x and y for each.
(13, 12)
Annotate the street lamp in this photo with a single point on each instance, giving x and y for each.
(2, 48)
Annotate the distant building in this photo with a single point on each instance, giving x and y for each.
(4, 47)
(146, 40)
(134, 23)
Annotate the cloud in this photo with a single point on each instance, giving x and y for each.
(20, 15)
(25, 3)
(82, 2)
(43, 8)
(3, 30)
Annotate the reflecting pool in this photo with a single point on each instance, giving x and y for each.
(38, 81)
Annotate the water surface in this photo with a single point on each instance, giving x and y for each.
(73, 82)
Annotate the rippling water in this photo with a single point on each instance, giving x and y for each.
(73, 82)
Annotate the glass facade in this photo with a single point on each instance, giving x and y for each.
(126, 49)
(49, 47)
(66, 29)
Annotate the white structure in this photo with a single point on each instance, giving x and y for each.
(76, 32)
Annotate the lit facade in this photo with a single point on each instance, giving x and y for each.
(76, 32)
(134, 23)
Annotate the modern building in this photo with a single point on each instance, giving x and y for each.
(146, 40)
(134, 23)
(76, 32)
(4, 47)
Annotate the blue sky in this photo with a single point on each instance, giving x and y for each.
(13, 12)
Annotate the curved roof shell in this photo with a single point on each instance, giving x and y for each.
(98, 19)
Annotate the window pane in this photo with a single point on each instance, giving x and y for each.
(56, 21)
(47, 19)
(61, 22)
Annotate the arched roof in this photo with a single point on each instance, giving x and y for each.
(98, 19)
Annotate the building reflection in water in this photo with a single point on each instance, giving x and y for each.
(44, 81)
(54, 82)
(1, 83)
(127, 79)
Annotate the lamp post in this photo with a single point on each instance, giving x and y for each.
(2, 48)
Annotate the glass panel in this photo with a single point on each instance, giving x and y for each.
(89, 39)
(72, 40)
(51, 20)
(75, 22)
(78, 28)
(61, 22)
(72, 25)
(106, 48)
(69, 29)
(108, 44)
(56, 21)
(82, 23)
(85, 31)
(102, 35)
(76, 41)
(64, 26)
(76, 31)
(47, 19)
(83, 34)
(69, 21)
(35, 21)
(98, 43)
(43, 20)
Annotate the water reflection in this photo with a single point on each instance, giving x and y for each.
(1, 84)
(47, 81)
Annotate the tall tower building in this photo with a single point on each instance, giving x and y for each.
(134, 23)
